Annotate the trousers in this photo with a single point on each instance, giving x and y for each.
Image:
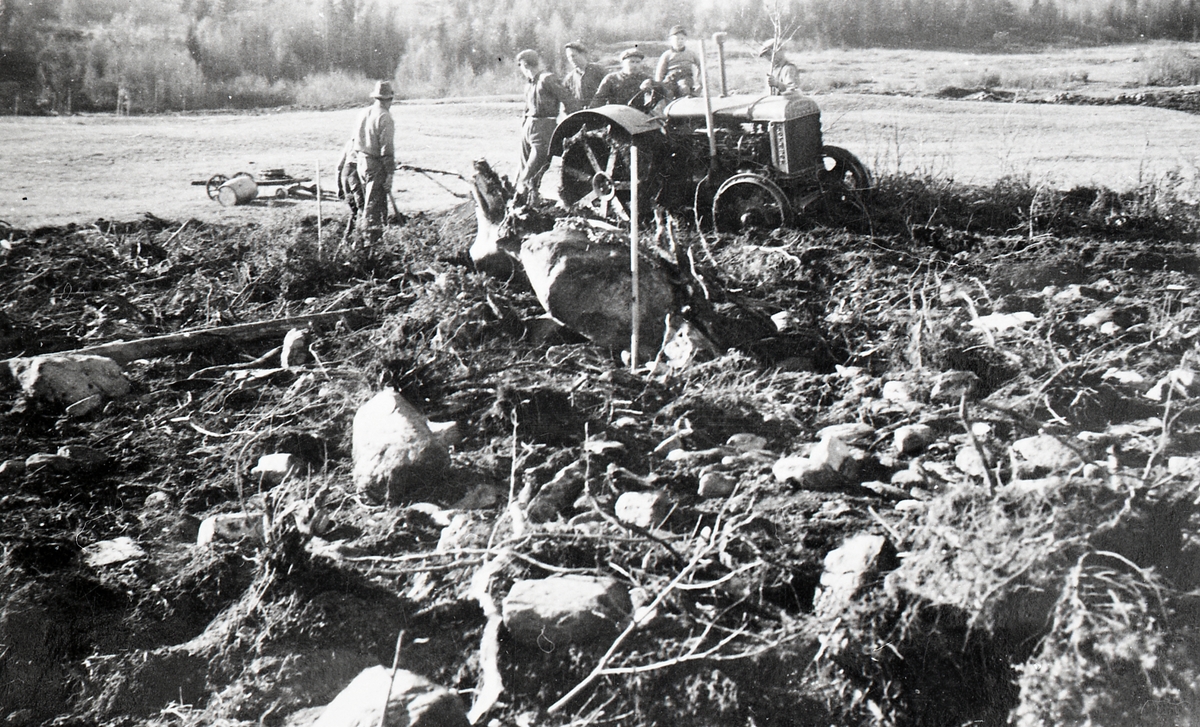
(376, 184)
(535, 152)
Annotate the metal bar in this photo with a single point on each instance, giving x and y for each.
(636, 312)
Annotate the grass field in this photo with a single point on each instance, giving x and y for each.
(79, 168)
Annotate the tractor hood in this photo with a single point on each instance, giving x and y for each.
(746, 107)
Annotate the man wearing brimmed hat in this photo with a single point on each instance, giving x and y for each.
(783, 77)
(678, 66)
(623, 86)
(543, 95)
(584, 77)
(375, 153)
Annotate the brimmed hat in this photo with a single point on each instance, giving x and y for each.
(632, 53)
(383, 89)
(576, 45)
(767, 49)
(529, 57)
(676, 30)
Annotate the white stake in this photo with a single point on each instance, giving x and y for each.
(636, 313)
(318, 208)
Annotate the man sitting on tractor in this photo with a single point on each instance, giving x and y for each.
(784, 77)
(678, 66)
(626, 85)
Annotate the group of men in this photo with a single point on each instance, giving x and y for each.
(369, 158)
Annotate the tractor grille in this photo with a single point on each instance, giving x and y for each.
(796, 144)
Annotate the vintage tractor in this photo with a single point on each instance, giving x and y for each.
(763, 163)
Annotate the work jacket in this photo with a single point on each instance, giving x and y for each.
(618, 87)
(543, 94)
(583, 82)
(375, 134)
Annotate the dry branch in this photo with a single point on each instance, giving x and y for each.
(125, 351)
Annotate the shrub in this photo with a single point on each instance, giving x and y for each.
(1172, 68)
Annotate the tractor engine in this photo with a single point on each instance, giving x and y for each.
(744, 146)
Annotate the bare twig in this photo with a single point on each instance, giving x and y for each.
(392, 680)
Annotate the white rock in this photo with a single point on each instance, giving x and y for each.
(716, 484)
(643, 509)
(806, 473)
(587, 287)
(898, 391)
(784, 320)
(1175, 465)
(552, 612)
(412, 701)
(82, 455)
(846, 569)
(232, 527)
(55, 462)
(969, 462)
(272, 469)
(686, 346)
(746, 442)
(69, 378)
(295, 348)
(856, 433)
(107, 552)
(1042, 455)
(830, 453)
(394, 449)
(911, 506)
(913, 438)
(908, 478)
(12, 468)
(448, 433)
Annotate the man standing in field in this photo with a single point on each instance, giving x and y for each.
(784, 77)
(543, 95)
(678, 66)
(375, 155)
(620, 87)
(584, 77)
(349, 187)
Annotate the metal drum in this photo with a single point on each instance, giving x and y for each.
(239, 190)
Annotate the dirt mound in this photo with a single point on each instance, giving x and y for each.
(989, 316)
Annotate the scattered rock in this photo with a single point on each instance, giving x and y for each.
(898, 392)
(107, 552)
(12, 468)
(587, 286)
(555, 611)
(295, 348)
(846, 570)
(686, 345)
(394, 448)
(558, 494)
(81, 455)
(913, 438)
(67, 379)
(482, 497)
(53, 462)
(232, 527)
(969, 462)
(273, 469)
(1175, 465)
(806, 473)
(283, 683)
(716, 484)
(951, 385)
(908, 478)
(414, 702)
(830, 453)
(1042, 455)
(855, 433)
(644, 509)
(746, 442)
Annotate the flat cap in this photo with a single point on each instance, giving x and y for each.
(632, 53)
(529, 57)
(676, 30)
(576, 45)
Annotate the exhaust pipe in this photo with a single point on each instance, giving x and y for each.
(719, 39)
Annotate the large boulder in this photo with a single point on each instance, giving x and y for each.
(555, 611)
(587, 286)
(67, 379)
(412, 701)
(394, 449)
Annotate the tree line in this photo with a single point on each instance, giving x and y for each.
(155, 55)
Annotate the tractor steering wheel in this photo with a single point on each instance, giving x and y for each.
(646, 99)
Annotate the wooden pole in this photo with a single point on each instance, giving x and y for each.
(318, 208)
(636, 312)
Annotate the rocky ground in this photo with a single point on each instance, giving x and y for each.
(940, 467)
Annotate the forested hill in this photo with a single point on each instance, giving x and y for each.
(154, 55)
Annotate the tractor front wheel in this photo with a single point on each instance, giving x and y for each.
(747, 201)
(842, 170)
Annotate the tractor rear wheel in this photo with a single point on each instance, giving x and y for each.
(746, 201)
(596, 172)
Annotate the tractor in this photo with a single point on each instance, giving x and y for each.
(759, 163)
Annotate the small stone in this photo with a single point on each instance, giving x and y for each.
(559, 493)
(1035, 457)
(108, 552)
(601, 447)
(716, 484)
(702, 455)
(846, 569)
(806, 473)
(82, 455)
(412, 701)
(952, 385)
(855, 433)
(645, 510)
(394, 449)
(969, 462)
(885, 489)
(898, 391)
(830, 453)
(913, 438)
(916, 506)
(556, 611)
(746, 442)
(12, 468)
(54, 462)
(273, 469)
(1038, 485)
(65, 379)
(447, 434)
(1175, 465)
(908, 478)
(231, 527)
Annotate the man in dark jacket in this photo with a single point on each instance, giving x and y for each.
(584, 77)
(543, 96)
(620, 87)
